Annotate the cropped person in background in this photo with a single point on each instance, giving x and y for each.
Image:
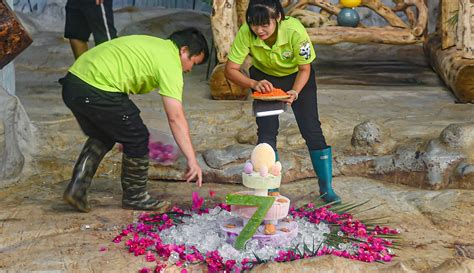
(84, 17)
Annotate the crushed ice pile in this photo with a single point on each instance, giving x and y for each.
(203, 232)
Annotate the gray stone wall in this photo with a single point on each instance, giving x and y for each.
(16, 138)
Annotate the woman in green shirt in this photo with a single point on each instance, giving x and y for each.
(282, 54)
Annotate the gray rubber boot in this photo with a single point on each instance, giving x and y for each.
(86, 166)
(134, 185)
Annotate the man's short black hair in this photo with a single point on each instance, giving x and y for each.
(193, 39)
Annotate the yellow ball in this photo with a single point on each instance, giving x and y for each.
(350, 3)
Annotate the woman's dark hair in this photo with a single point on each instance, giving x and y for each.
(193, 39)
(260, 12)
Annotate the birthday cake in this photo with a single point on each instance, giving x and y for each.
(262, 173)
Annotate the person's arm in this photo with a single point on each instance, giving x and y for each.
(233, 74)
(180, 129)
(99, 2)
(302, 78)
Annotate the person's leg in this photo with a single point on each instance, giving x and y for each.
(113, 117)
(100, 19)
(307, 118)
(78, 47)
(95, 148)
(133, 134)
(267, 127)
(76, 29)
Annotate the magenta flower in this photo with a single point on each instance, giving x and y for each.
(150, 257)
(197, 201)
(143, 238)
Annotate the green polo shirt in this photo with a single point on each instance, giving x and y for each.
(135, 64)
(293, 47)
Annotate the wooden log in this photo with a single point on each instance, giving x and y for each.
(13, 36)
(460, 27)
(385, 12)
(224, 26)
(456, 71)
(222, 88)
(466, 31)
(241, 6)
(312, 19)
(447, 24)
(422, 21)
(319, 3)
(382, 35)
(400, 5)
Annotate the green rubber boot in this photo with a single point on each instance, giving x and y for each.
(322, 164)
(276, 159)
(86, 166)
(134, 184)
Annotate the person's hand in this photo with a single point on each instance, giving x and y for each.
(263, 86)
(293, 96)
(99, 2)
(194, 172)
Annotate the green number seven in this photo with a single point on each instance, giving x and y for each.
(263, 204)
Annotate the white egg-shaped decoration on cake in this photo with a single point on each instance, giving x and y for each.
(278, 166)
(248, 167)
(276, 169)
(262, 155)
(264, 171)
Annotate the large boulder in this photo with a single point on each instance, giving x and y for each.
(16, 135)
(443, 162)
(369, 137)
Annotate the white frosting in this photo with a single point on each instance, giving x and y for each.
(256, 181)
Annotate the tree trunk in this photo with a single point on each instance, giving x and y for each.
(224, 27)
(242, 6)
(385, 12)
(465, 32)
(448, 26)
(222, 88)
(456, 71)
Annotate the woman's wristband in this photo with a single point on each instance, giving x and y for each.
(294, 92)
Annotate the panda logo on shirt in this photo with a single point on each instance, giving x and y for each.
(305, 50)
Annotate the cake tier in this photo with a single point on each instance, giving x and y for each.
(285, 232)
(279, 209)
(256, 181)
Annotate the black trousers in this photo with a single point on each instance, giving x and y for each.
(107, 116)
(84, 17)
(305, 110)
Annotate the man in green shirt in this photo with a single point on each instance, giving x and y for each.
(96, 89)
